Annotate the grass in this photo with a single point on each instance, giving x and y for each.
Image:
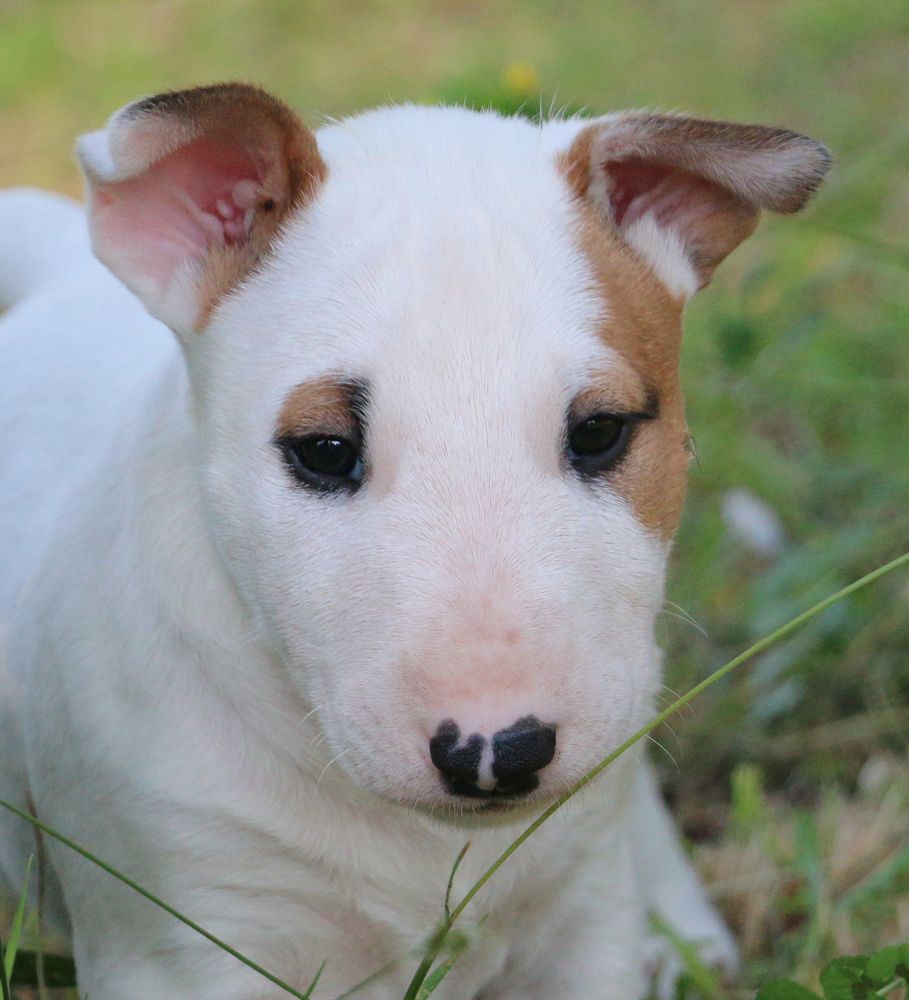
(796, 368)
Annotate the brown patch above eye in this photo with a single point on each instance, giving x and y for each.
(324, 406)
(620, 391)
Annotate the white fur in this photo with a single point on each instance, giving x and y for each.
(225, 685)
(664, 250)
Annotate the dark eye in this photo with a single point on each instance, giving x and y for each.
(596, 443)
(324, 462)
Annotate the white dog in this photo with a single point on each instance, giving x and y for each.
(366, 560)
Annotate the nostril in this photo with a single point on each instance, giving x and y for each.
(461, 763)
(522, 749)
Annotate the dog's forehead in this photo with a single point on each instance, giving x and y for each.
(447, 251)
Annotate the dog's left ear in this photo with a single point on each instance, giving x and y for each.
(187, 191)
(684, 192)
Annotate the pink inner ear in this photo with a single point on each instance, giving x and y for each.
(676, 198)
(200, 197)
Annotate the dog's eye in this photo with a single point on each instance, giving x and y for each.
(596, 443)
(324, 462)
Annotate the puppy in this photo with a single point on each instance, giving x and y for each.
(361, 557)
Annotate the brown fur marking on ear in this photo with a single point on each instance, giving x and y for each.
(643, 323)
(722, 175)
(719, 235)
(293, 170)
(283, 149)
(322, 406)
(770, 167)
(270, 130)
(575, 162)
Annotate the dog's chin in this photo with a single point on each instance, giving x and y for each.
(472, 814)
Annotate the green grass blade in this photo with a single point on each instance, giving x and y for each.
(315, 982)
(879, 883)
(451, 878)
(176, 914)
(430, 978)
(5, 991)
(435, 978)
(810, 865)
(15, 931)
(423, 969)
(727, 668)
(705, 979)
(59, 971)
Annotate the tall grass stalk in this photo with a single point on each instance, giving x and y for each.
(8, 954)
(439, 940)
(15, 934)
(5, 992)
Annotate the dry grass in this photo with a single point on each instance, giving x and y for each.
(803, 883)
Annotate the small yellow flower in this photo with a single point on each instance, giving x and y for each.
(521, 78)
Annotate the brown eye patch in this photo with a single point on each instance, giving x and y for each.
(621, 392)
(330, 406)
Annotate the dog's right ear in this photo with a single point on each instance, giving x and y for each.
(188, 190)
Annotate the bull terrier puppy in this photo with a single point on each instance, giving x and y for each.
(350, 547)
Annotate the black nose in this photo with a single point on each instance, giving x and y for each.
(460, 765)
(508, 769)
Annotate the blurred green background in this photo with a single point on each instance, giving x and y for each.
(791, 778)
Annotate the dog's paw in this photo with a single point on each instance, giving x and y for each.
(664, 965)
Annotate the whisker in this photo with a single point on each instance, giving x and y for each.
(656, 742)
(311, 712)
(681, 613)
(332, 761)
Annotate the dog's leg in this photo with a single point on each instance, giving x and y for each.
(581, 940)
(132, 966)
(672, 892)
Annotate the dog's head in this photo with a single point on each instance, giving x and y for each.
(435, 359)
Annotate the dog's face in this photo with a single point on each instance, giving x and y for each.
(435, 355)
